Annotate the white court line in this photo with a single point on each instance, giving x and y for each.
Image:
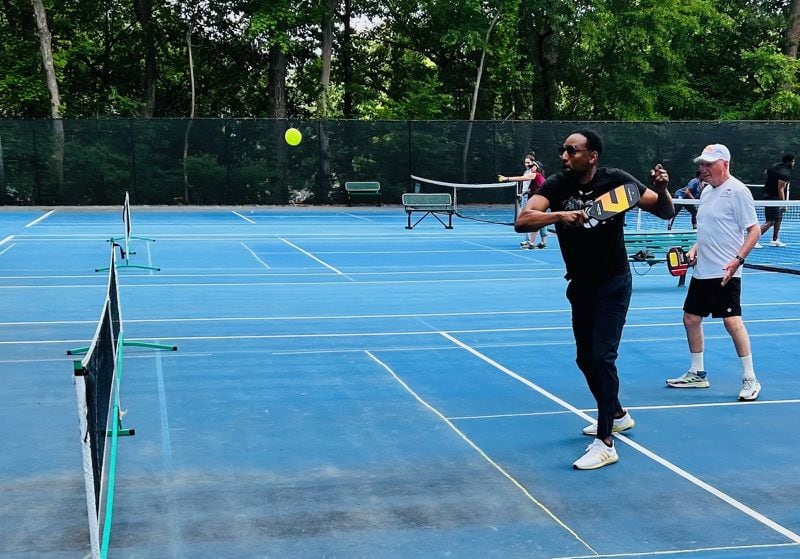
(360, 217)
(402, 333)
(569, 342)
(677, 551)
(40, 218)
(4, 241)
(667, 407)
(504, 279)
(255, 256)
(513, 252)
(483, 455)
(294, 246)
(9, 247)
(247, 219)
(738, 505)
(381, 316)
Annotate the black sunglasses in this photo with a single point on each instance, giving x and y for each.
(571, 150)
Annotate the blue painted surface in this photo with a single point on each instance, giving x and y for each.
(273, 433)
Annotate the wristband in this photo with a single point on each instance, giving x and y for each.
(740, 259)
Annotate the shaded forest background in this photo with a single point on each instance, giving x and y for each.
(187, 102)
(402, 59)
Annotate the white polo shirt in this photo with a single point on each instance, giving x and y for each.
(723, 216)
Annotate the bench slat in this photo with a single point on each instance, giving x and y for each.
(430, 204)
(357, 187)
(363, 188)
(651, 247)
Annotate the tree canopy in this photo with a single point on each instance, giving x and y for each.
(408, 60)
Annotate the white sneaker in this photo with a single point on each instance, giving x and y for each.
(689, 379)
(777, 243)
(596, 456)
(622, 424)
(758, 245)
(750, 389)
(526, 245)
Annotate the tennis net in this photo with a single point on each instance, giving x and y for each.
(783, 257)
(97, 380)
(491, 203)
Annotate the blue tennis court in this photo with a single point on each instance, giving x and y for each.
(345, 387)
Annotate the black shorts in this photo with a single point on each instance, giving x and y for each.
(707, 296)
(771, 213)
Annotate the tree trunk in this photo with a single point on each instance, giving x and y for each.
(474, 103)
(792, 30)
(52, 86)
(3, 188)
(276, 78)
(191, 119)
(276, 108)
(327, 51)
(347, 53)
(322, 108)
(144, 15)
(547, 62)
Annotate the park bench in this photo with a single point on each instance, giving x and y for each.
(650, 247)
(434, 204)
(369, 189)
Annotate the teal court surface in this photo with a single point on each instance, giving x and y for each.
(347, 388)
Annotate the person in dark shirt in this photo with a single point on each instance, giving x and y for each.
(776, 187)
(599, 288)
(691, 191)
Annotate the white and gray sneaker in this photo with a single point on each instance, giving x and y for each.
(689, 379)
(750, 389)
(620, 424)
(596, 456)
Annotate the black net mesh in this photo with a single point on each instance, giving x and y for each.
(99, 370)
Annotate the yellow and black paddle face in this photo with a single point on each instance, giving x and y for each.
(614, 202)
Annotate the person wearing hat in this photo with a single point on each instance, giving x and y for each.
(727, 230)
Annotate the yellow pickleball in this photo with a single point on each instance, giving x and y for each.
(293, 136)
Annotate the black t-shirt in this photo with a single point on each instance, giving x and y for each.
(776, 172)
(596, 253)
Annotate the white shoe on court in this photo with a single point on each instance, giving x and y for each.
(750, 389)
(689, 379)
(777, 243)
(621, 424)
(596, 456)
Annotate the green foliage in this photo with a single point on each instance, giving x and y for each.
(414, 59)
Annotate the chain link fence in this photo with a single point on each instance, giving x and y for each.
(246, 161)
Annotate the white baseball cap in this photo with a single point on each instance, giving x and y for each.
(713, 152)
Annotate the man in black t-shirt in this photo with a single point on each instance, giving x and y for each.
(776, 187)
(599, 288)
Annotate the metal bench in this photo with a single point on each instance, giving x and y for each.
(651, 247)
(370, 189)
(429, 204)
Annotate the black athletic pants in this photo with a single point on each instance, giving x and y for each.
(598, 315)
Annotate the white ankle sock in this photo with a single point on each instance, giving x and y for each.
(697, 362)
(747, 367)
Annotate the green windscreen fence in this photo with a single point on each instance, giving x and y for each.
(246, 161)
